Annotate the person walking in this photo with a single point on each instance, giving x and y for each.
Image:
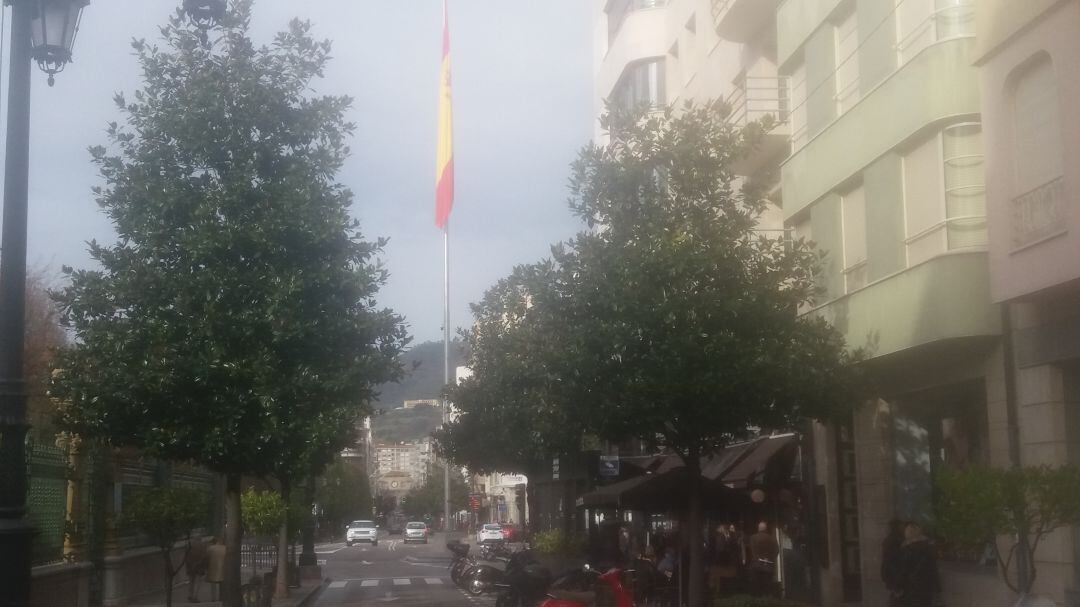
(919, 582)
(763, 552)
(891, 560)
(195, 563)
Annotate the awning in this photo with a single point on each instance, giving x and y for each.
(754, 463)
(661, 492)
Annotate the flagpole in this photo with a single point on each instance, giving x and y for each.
(446, 366)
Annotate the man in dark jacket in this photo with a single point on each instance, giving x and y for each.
(763, 551)
(919, 582)
(891, 560)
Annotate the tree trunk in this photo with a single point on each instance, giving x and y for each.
(167, 558)
(308, 557)
(281, 587)
(696, 569)
(230, 585)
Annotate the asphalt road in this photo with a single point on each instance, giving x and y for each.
(393, 574)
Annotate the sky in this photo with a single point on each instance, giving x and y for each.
(522, 88)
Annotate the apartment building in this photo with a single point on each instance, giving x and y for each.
(1027, 55)
(926, 146)
(413, 460)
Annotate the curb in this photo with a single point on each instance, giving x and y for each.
(314, 594)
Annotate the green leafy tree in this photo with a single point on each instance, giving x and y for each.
(167, 516)
(427, 499)
(385, 504)
(982, 506)
(234, 321)
(344, 494)
(678, 320)
(513, 416)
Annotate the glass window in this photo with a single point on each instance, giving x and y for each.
(853, 210)
(1037, 128)
(923, 204)
(919, 23)
(798, 106)
(847, 63)
(965, 189)
(642, 84)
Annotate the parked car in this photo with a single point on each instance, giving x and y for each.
(510, 532)
(416, 532)
(362, 531)
(491, 532)
(395, 523)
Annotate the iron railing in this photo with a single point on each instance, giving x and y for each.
(758, 97)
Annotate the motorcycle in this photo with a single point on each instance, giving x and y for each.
(524, 583)
(483, 578)
(609, 583)
(459, 560)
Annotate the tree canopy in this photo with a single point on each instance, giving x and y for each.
(234, 321)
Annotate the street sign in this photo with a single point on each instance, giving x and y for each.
(609, 466)
(555, 469)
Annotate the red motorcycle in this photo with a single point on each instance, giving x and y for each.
(609, 583)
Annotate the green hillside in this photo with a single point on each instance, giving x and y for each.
(397, 425)
(424, 374)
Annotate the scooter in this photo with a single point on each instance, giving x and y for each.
(609, 583)
(483, 578)
(459, 560)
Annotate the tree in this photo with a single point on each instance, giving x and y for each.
(344, 494)
(234, 321)
(167, 516)
(512, 416)
(678, 320)
(44, 336)
(980, 506)
(427, 499)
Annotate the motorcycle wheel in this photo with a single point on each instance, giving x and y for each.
(475, 587)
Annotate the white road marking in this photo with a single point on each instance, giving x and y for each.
(369, 583)
(338, 584)
(434, 581)
(402, 581)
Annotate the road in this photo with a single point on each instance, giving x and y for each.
(391, 574)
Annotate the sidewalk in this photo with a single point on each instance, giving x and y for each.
(298, 597)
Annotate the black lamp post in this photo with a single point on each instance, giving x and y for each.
(43, 30)
(205, 14)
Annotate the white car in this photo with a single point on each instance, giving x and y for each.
(416, 532)
(490, 532)
(362, 531)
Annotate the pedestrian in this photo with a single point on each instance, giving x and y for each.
(724, 561)
(195, 562)
(763, 551)
(891, 560)
(215, 567)
(919, 583)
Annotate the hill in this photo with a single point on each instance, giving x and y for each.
(424, 374)
(397, 425)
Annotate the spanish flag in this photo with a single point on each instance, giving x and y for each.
(444, 164)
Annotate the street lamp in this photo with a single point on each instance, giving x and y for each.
(205, 14)
(52, 33)
(42, 30)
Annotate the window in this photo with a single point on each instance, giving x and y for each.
(853, 211)
(847, 63)
(798, 106)
(944, 193)
(919, 23)
(642, 84)
(923, 202)
(965, 189)
(1038, 165)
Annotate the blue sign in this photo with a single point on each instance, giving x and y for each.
(609, 466)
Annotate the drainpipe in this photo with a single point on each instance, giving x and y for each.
(1023, 567)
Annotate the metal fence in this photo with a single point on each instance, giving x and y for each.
(46, 499)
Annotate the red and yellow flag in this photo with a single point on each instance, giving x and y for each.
(444, 161)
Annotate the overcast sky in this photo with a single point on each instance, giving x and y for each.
(522, 82)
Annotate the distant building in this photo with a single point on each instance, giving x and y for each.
(407, 459)
(431, 402)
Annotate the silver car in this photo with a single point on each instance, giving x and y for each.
(416, 532)
(362, 531)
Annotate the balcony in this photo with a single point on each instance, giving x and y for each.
(758, 98)
(618, 10)
(741, 20)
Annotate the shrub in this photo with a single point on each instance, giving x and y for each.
(554, 541)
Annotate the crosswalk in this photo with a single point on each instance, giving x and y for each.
(390, 582)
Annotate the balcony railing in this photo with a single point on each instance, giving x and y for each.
(956, 21)
(759, 97)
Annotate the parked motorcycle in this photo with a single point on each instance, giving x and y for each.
(609, 584)
(459, 560)
(525, 582)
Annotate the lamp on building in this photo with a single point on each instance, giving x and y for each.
(41, 30)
